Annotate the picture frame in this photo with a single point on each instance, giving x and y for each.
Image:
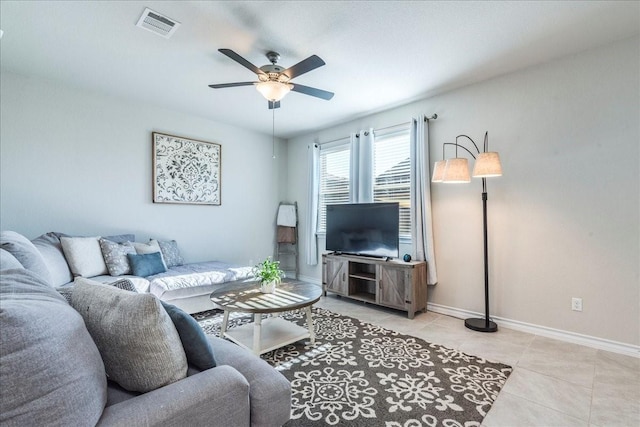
(185, 170)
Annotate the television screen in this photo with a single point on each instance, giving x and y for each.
(369, 229)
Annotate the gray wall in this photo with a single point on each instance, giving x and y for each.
(80, 163)
(564, 217)
(563, 220)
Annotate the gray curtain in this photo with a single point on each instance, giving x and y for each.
(312, 205)
(361, 169)
(421, 221)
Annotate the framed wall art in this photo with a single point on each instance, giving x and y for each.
(185, 170)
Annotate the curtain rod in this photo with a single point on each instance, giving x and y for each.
(433, 117)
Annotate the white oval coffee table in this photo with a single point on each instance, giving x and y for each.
(263, 335)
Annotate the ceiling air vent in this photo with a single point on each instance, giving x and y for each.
(157, 23)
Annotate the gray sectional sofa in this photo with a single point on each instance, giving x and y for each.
(119, 357)
(185, 285)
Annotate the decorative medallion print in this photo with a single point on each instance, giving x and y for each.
(359, 374)
(185, 170)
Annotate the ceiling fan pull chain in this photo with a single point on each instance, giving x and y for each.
(273, 133)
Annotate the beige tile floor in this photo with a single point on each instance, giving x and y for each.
(553, 383)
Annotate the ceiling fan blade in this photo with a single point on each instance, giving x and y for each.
(223, 85)
(240, 60)
(273, 105)
(318, 93)
(304, 66)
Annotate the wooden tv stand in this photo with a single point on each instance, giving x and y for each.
(394, 283)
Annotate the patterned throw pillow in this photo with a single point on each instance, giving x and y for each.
(124, 284)
(115, 256)
(66, 292)
(171, 253)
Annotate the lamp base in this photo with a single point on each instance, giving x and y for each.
(481, 325)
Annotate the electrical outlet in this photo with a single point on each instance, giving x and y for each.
(576, 304)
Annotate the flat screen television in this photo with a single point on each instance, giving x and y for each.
(368, 229)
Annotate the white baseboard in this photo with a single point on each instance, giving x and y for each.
(544, 331)
(572, 337)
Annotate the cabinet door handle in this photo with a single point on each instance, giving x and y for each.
(344, 276)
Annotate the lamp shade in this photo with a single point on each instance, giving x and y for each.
(456, 171)
(487, 165)
(273, 90)
(438, 171)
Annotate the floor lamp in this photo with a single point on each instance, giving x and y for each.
(456, 170)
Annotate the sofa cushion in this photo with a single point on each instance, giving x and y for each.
(84, 256)
(194, 341)
(50, 368)
(139, 344)
(51, 250)
(115, 256)
(144, 265)
(170, 253)
(26, 253)
(8, 261)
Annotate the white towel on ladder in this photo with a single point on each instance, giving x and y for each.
(287, 215)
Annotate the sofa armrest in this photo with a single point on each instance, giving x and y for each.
(215, 397)
(270, 391)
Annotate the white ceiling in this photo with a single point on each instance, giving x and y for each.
(378, 54)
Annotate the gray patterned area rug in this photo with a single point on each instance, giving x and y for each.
(359, 374)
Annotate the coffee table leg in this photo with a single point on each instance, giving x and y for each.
(225, 323)
(312, 334)
(257, 330)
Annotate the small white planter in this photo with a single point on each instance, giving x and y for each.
(268, 287)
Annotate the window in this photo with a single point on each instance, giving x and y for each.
(334, 178)
(392, 175)
(389, 175)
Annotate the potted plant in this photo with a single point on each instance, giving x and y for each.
(269, 274)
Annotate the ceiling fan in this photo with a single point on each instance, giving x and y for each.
(274, 81)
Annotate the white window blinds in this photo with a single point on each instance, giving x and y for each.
(334, 179)
(392, 174)
(387, 174)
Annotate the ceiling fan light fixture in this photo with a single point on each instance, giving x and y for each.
(273, 90)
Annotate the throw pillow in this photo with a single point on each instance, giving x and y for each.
(84, 256)
(50, 369)
(139, 344)
(115, 256)
(66, 292)
(196, 345)
(170, 253)
(146, 264)
(148, 248)
(51, 250)
(26, 253)
(124, 284)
